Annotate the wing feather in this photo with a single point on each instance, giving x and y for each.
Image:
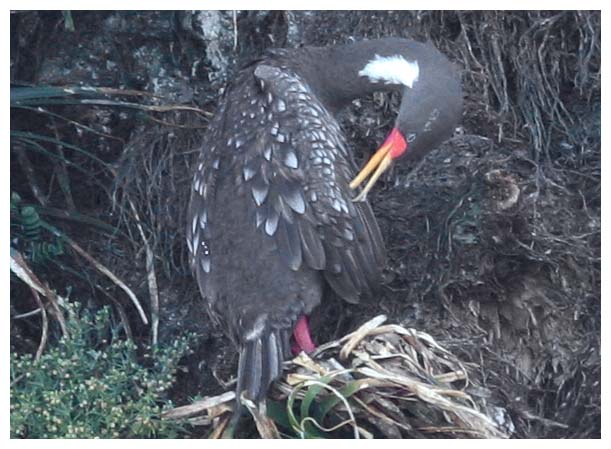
(303, 172)
(295, 169)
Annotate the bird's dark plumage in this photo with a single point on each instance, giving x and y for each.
(271, 218)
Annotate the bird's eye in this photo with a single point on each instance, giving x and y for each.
(411, 137)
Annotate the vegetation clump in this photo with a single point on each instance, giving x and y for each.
(91, 384)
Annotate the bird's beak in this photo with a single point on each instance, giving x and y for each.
(393, 147)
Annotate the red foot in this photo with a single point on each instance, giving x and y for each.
(303, 340)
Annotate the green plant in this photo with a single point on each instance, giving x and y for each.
(93, 385)
(27, 231)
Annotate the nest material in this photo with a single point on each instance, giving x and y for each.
(381, 380)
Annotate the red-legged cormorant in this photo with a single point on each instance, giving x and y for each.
(273, 214)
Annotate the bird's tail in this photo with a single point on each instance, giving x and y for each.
(260, 363)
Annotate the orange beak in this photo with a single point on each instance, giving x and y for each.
(393, 147)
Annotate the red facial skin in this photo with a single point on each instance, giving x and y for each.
(397, 142)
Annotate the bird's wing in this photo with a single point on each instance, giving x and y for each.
(201, 202)
(298, 170)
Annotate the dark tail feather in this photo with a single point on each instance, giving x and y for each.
(260, 364)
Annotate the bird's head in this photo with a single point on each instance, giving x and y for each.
(431, 107)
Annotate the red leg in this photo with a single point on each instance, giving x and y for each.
(303, 340)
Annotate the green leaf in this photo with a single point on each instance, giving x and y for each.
(328, 404)
(312, 393)
(68, 22)
(41, 93)
(277, 411)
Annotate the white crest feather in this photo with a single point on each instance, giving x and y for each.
(392, 70)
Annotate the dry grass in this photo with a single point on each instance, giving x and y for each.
(381, 380)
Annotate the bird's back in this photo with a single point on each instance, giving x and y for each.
(271, 217)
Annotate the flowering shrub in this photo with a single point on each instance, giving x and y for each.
(92, 385)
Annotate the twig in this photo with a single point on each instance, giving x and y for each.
(45, 325)
(63, 178)
(41, 110)
(101, 268)
(235, 30)
(150, 278)
(21, 269)
(545, 421)
(26, 314)
(175, 125)
(30, 174)
(265, 426)
(197, 407)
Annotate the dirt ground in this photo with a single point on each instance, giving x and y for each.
(493, 240)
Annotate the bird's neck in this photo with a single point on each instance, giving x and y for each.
(342, 73)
